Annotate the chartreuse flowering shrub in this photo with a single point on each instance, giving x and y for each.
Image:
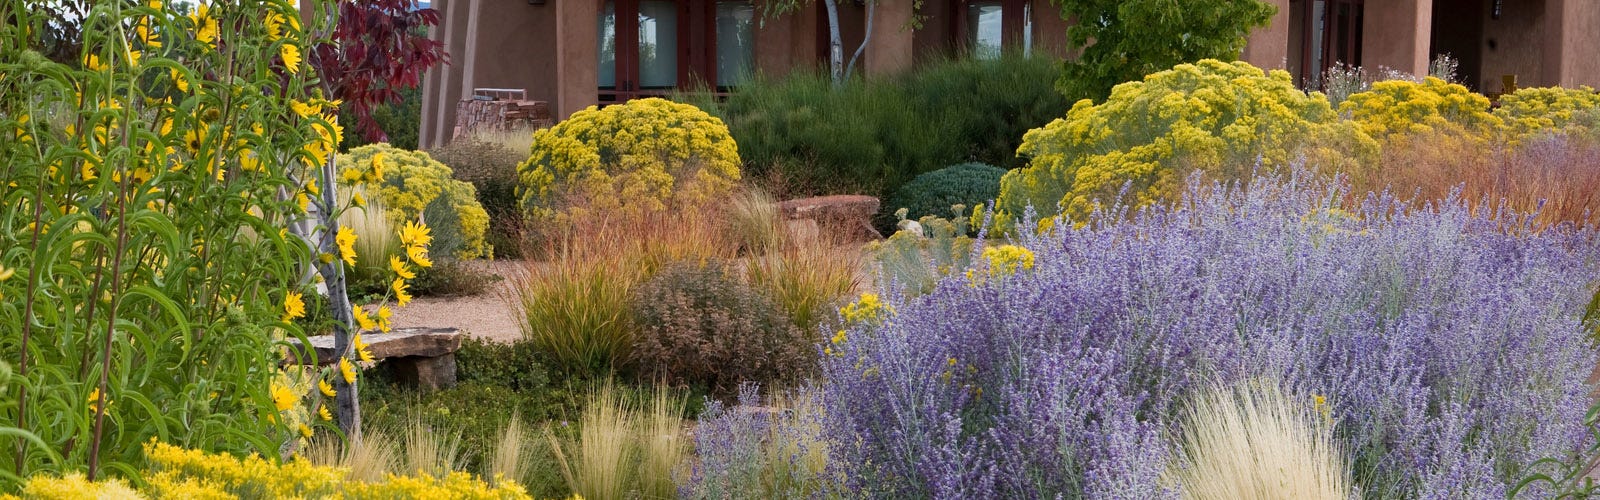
(175, 472)
(645, 156)
(1395, 107)
(159, 207)
(1220, 118)
(414, 187)
(1446, 349)
(1539, 109)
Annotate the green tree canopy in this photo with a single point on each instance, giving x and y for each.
(1124, 40)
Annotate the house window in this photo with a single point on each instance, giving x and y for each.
(735, 54)
(984, 20)
(608, 46)
(992, 27)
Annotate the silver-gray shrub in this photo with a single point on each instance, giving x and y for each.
(1446, 339)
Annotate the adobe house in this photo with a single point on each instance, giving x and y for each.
(578, 53)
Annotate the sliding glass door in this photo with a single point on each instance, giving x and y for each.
(652, 47)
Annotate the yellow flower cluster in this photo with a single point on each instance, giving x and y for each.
(414, 182)
(869, 309)
(1216, 117)
(1006, 260)
(627, 160)
(1406, 107)
(74, 486)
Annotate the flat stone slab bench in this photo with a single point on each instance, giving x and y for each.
(845, 213)
(424, 357)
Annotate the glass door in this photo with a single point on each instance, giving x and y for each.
(1332, 36)
(638, 48)
(990, 27)
(652, 47)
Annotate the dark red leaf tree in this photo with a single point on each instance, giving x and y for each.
(378, 49)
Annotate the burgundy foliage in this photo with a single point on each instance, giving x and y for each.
(379, 48)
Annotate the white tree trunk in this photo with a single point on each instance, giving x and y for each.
(872, 8)
(835, 43)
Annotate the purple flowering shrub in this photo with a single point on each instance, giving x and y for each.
(1448, 347)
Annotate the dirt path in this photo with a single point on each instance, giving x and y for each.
(486, 315)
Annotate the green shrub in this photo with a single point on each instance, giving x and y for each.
(416, 187)
(701, 324)
(490, 165)
(648, 155)
(1211, 116)
(400, 122)
(871, 136)
(933, 193)
(517, 366)
(982, 107)
(1133, 38)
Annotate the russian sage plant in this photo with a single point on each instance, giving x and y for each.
(1446, 347)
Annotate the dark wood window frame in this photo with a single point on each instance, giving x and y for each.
(696, 26)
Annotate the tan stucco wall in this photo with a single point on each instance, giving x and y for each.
(577, 53)
(430, 85)
(1512, 44)
(1268, 47)
(893, 41)
(511, 47)
(438, 125)
(1395, 35)
(1572, 38)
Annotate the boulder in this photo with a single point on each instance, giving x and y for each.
(847, 216)
(424, 357)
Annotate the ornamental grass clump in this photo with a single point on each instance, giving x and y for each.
(1255, 441)
(1447, 343)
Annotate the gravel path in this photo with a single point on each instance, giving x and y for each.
(486, 315)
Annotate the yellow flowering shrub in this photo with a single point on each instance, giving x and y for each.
(175, 472)
(413, 185)
(629, 159)
(1006, 260)
(1405, 107)
(1529, 110)
(1211, 116)
(868, 309)
(75, 486)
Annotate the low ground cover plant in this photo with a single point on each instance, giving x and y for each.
(1403, 325)
(175, 472)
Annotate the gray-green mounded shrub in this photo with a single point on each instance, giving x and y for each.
(969, 184)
